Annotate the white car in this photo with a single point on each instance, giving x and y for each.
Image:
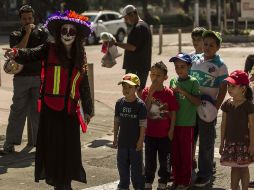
(106, 21)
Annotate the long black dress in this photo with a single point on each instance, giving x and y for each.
(58, 148)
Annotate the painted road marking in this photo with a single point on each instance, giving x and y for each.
(113, 185)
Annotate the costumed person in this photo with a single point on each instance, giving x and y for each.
(65, 87)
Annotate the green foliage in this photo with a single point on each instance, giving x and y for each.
(77, 5)
(152, 20)
(178, 20)
(240, 32)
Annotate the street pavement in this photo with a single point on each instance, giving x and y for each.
(99, 158)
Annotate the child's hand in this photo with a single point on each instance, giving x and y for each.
(179, 90)
(171, 134)
(139, 145)
(251, 150)
(115, 142)
(221, 148)
(252, 78)
(154, 86)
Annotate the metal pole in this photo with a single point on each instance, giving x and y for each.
(221, 27)
(151, 29)
(179, 40)
(91, 82)
(160, 38)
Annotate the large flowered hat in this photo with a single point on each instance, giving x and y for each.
(68, 17)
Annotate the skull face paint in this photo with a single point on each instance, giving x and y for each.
(68, 34)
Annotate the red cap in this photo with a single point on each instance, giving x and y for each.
(238, 77)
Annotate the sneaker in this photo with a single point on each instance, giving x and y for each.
(171, 178)
(194, 164)
(251, 184)
(148, 186)
(182, 187)
(200, 182)
(161, 186)
(8, 148)
(214, 167)
(172, 187)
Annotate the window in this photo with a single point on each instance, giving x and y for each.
(103, 18)
(112, 17)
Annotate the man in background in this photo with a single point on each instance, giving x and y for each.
(26, 83)
(138, 49)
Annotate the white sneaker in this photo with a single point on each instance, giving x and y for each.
(148, 186)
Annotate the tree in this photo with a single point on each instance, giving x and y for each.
(77, 5)
(235, 14)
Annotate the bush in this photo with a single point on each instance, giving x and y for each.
(240, 32)
(179, 20)
(152, 20)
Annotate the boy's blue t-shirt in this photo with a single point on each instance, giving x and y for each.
(129, 114)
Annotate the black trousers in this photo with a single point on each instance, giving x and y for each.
(162, 147)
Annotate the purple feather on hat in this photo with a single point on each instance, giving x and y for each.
(68, 17)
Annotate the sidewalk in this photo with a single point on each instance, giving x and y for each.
(99, 158)
(17, 169)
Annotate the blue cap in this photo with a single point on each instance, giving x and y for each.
(182, 56)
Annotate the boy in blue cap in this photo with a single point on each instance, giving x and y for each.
(186, 90)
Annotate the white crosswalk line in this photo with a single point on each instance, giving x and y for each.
(108, 186)
(113, 185)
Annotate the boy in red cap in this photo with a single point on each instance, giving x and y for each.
(237, 129)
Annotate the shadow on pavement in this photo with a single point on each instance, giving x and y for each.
(100, 142)
(21, 159)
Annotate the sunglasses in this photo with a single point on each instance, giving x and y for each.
(71, 32)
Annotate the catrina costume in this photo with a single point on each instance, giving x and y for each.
(64, 89)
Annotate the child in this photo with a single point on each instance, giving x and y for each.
(159, 100)
(197, 40)
(186, 89)
(251, 73)
(210, 71)
(237, 129)
(129, 130)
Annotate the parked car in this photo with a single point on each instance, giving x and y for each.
(106, 21)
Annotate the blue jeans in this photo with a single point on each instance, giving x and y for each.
(130, 161)
(207, 134)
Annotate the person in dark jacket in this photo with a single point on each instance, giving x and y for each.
(138, 49)
(65, 91)
(26, 83)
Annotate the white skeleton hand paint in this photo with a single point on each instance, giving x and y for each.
(68, 34)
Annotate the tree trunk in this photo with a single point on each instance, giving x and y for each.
(235, 16)
(196, 13)
(208, 14)
(144, 6)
